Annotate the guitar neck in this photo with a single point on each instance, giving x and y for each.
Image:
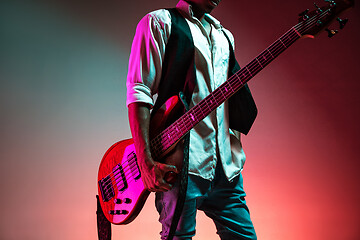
(186, 122)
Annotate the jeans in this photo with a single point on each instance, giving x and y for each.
(221, 200)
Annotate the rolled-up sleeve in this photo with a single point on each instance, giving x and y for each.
(147, 53)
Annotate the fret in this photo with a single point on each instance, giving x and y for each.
(229, 87)
(155, 149)
(212, 100)
(187, 121)
(296, 32)
(218, 95)
(270, 52)
(176, 127)
(179, 128)
(190, 119)
(282, 43)
(265, 57)
(162, 143)
(197, 114)
(172, 132)
(295, 35)
(246, 67)
(287, 39)
(254, 67)
(290, 37)
(168, 138)
(182, 124)
(276, 48)
(235, 80)
(228, 90)
(204, 105)
(201, 111)
(259, 62)
(223, 93)
(244, 75)
(192, 115)
(239, 76)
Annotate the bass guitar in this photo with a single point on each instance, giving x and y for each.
(121, 190)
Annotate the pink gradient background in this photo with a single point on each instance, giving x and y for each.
(63, 66)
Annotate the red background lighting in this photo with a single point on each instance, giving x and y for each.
(63, 66)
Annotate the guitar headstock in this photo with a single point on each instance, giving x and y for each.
(312, 22)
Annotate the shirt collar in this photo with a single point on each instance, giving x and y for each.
(186, 9)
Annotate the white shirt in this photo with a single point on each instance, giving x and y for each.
(211, 140)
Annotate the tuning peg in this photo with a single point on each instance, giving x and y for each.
(342, 22)
(319, 23)
(304, 14)
(318, 9)
(331, 33)
(332, 3)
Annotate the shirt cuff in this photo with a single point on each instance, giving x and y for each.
(138, 92)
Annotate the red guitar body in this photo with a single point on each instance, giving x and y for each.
(121, 191)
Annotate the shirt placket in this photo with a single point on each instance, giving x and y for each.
(218, 66)
(213, 85)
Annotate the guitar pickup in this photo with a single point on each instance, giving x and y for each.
(134, 167)
(120, 177)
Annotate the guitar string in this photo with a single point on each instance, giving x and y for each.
(308, 24)
(275, 51)
(127, 180)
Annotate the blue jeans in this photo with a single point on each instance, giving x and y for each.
(221, 200)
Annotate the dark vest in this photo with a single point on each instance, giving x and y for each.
(178, 75)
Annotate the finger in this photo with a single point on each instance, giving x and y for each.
(156, 189)
(162, 186)
(170, 177)
(159, 189)
(168, 168)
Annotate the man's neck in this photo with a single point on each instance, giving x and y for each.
(198, 12)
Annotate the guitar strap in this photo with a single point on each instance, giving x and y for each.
(103, 225)
(183, 180)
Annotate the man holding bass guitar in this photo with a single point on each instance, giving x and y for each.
(185, 50)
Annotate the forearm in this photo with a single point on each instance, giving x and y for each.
(139, 119)
(152, 172)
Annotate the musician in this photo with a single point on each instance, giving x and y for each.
(190, 43)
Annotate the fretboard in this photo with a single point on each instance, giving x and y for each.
(186, 122)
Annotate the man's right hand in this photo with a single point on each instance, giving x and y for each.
(153, 175)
